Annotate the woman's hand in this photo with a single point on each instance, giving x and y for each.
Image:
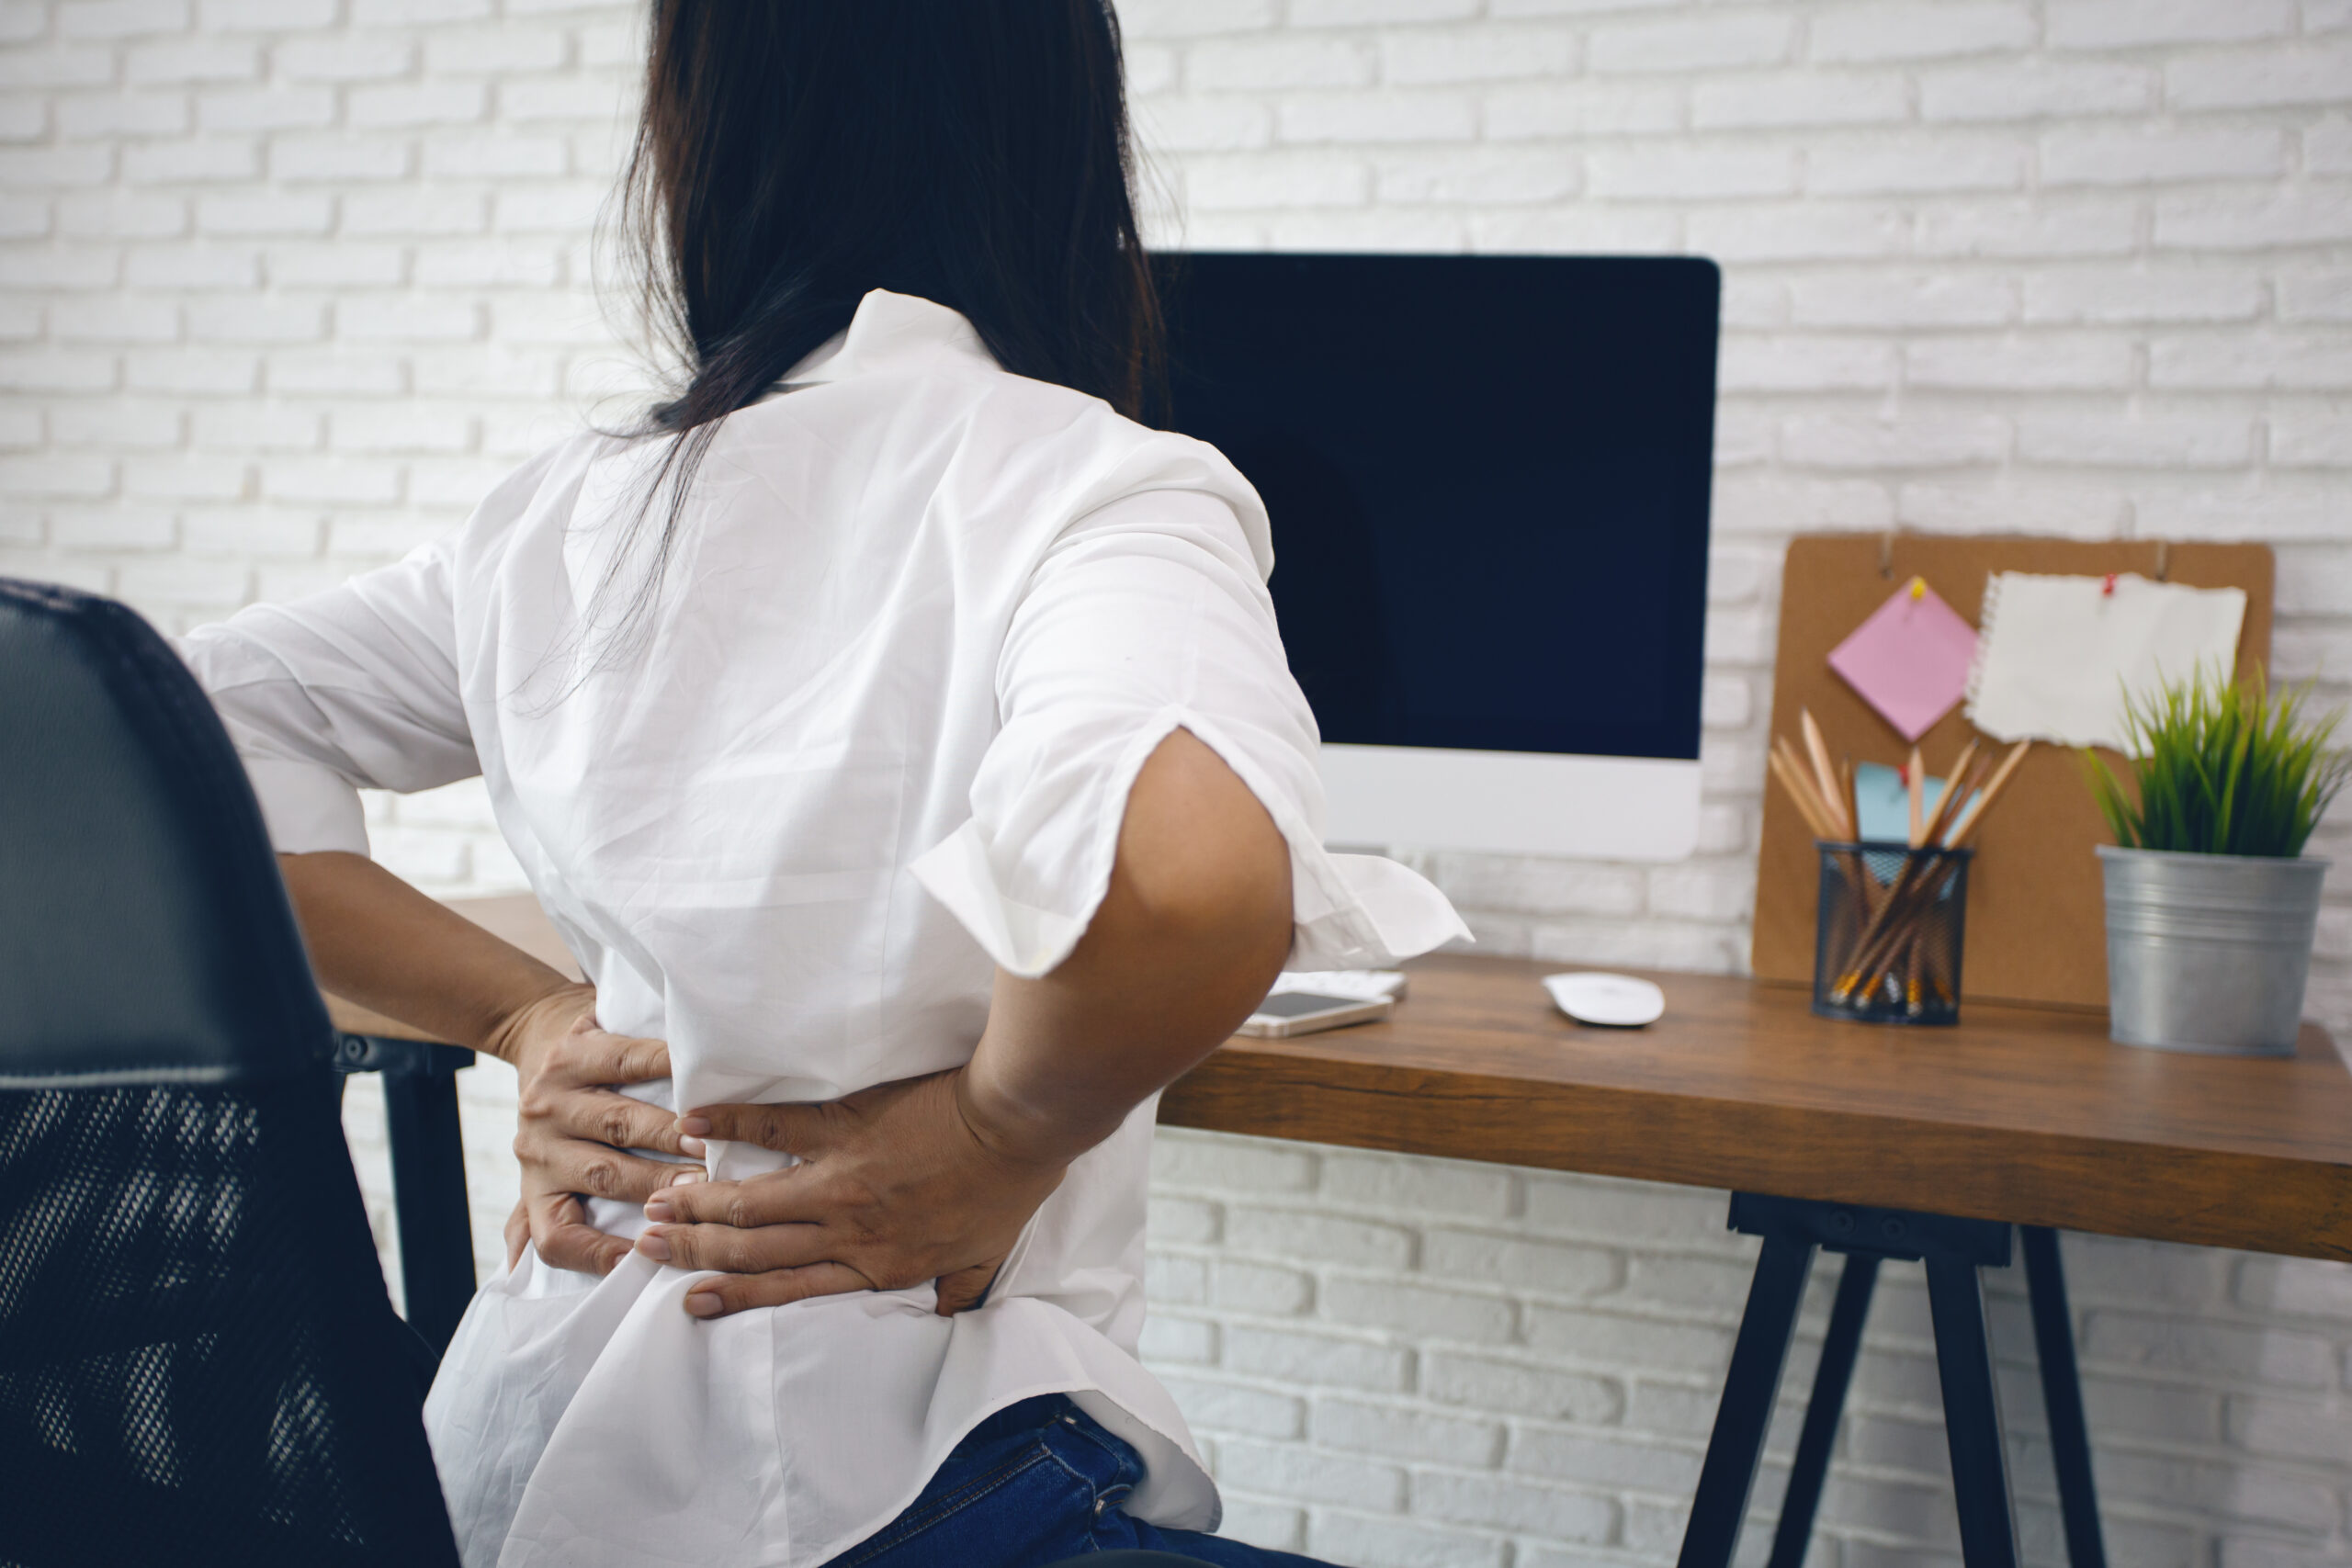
(377, 941)
(899, 1184)
(574, 1130)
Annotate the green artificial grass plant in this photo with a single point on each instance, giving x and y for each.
(2224, 770)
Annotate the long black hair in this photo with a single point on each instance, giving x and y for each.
(793, 154)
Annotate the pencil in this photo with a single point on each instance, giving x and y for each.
(1792, 777)
(1853, 800)
(1823, 773)
(1948, 807)
(1893, 947)
(1968, 824)
(1878, 930)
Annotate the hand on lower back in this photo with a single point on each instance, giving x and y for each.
(575, 1131)
(379, 941)
(934, 1177)
(899, 1185)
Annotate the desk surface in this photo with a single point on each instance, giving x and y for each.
(2020, 1113)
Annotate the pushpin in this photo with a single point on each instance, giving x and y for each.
(1919, 588)
(2107, 588)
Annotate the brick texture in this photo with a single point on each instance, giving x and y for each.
(286, 284)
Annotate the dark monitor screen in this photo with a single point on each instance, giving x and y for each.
(1488, 480)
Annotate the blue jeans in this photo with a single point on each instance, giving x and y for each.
(1032, 1485)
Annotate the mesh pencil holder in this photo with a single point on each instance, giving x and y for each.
(1888, 946)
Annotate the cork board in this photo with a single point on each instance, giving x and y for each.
(2036, 917)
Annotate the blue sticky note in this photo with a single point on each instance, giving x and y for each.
(1886, 805)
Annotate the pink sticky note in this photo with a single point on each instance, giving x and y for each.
(1910, 659)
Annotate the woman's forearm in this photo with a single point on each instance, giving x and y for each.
(376, 941)
(1193, 928)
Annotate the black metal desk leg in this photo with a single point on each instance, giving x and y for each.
(1980, 1482)
(1742, 1419)
(2061, 1393)
(1839, 1349)
(429, 1192)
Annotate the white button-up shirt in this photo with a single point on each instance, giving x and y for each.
(923, 623)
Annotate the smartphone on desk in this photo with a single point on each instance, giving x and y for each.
(1304, 1013)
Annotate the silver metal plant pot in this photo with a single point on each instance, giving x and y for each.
(2209, 953)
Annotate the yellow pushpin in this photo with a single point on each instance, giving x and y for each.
(1918, 589)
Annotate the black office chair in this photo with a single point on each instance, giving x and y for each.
(198, 1363)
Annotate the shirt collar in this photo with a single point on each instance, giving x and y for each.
(891, 332)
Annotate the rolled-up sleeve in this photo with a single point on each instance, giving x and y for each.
(354, 687)
(1150, 615)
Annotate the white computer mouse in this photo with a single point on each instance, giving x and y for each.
(1614, 1001)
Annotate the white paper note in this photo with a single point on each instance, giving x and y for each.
(2056, 654)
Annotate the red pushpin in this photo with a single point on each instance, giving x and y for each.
(2107, 588)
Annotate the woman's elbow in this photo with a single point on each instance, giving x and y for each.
(1205, 866)
(1234, 900)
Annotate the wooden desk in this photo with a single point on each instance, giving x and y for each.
(2021, 1114)
(1923, 1145)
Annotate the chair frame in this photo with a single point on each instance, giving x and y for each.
(435, 1224)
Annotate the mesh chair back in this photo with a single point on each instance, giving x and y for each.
(198, 1363)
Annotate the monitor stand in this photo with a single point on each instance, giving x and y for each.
(1521, 803)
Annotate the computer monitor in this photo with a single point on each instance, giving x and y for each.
(1488, 479)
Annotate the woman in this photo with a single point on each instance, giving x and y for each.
(897, 732)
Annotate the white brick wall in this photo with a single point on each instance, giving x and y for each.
(284, 284)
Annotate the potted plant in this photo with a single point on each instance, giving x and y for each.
(2211, 900)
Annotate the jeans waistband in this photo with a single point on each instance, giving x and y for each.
(1027, 1416)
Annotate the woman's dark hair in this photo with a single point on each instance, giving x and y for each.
(794, 154)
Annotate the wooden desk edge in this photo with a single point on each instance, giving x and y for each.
(2203, 1197)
